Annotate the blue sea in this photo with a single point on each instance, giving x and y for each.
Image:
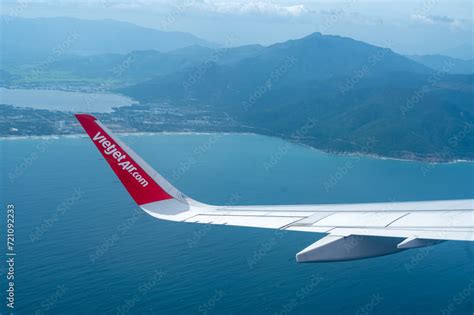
(83, 247)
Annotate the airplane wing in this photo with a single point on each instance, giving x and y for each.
(354, 231)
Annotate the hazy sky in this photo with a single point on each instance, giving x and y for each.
(426, 26)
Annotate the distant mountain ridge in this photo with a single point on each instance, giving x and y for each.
(464, 51)
(313, 58)
(142, 65)
(445, 63)
(31, 39)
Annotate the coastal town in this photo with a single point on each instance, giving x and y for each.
(22, 121)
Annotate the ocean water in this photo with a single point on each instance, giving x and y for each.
(82, 246)
(63, 100)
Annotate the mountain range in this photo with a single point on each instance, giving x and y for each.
(33, 40)
(445, 63)
(464, 51)
(142, 65)
(360, 97)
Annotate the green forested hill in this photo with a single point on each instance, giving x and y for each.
(360, 97)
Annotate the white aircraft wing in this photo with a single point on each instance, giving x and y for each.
(354, 231)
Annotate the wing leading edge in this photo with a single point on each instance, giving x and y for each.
(354, 231)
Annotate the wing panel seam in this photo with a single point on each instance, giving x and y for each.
(393, 221)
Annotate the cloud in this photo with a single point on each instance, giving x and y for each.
(437, 19)
(332, 12)
(441, 19)
(233, 7)
(363, 19)
(258, 7)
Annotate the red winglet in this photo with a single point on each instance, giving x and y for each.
(140, 185)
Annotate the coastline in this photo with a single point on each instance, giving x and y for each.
(293, 141)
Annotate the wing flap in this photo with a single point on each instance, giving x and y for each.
(456, 218)
(244, 220)
(258, 213)
(355, 219)
(312, 229)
